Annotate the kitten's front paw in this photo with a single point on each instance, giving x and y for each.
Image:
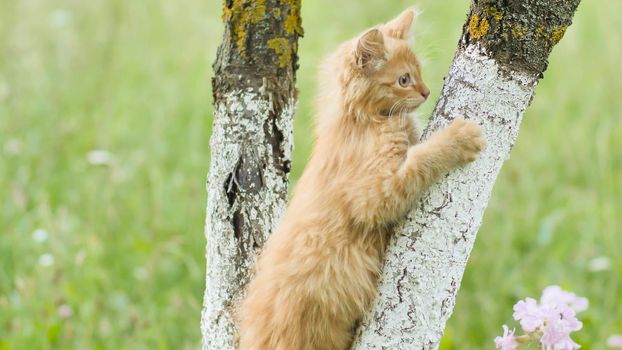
(468, 137)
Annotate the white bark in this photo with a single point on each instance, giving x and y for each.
(239, 150)
(427, 257)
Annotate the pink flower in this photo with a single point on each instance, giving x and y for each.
(556, 336)
(65, 311)
(507, 341)
(551, 321)
(559, 321)
(555, 295)
(562, 344)
(529, 314)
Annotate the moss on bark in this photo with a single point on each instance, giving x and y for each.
(260, 40)
(519, 34)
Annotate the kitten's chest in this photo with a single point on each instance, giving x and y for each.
(404, 129)
(393, 143)
(415, 130)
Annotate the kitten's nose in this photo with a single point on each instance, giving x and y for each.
(425, 92)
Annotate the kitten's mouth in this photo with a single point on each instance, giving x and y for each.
(403, 109)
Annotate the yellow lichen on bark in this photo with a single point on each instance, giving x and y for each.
(493, 12)
(518, 31)
(293, 22)
(242, 14)
(554, 36)
(283, 50)
(478, 28)
(540, 31)
(558, 34)
(226, 12)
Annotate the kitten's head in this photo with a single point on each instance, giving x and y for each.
(382, 74)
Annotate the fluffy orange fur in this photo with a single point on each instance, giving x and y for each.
(318, 271)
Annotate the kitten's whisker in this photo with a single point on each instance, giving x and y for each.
(403, 112)
(393, 107)
(403, 116)
(396, 105)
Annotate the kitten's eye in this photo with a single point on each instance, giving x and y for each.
(404, 80)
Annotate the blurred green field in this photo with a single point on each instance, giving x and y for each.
(105, 250)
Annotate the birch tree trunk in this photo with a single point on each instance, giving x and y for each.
(254, 97)
(500, 58)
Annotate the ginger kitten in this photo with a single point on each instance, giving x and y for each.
(318, 271)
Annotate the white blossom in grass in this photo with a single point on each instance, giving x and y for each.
(12, 146)
(39, 235)
(5, 90)
(46, 260)
(99, 157)
(141, 274)
(80, 257)
(600, 263)
(65, 311)
(615, 341)
(60, 18)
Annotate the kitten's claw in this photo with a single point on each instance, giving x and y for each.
(468, 137)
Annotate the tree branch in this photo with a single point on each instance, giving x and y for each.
(252, 136)
(500, 58)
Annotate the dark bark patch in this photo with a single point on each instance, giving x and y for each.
(519, 34)
(248, 172)
(245, 179)
(274, 136)
(231, 188)
(237, 221)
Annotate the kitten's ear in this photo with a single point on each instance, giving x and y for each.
(400, 26)
(370, 49)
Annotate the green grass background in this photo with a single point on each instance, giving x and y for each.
(133, 78)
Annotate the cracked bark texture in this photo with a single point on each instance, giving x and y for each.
(500, 58)
(251, 144)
